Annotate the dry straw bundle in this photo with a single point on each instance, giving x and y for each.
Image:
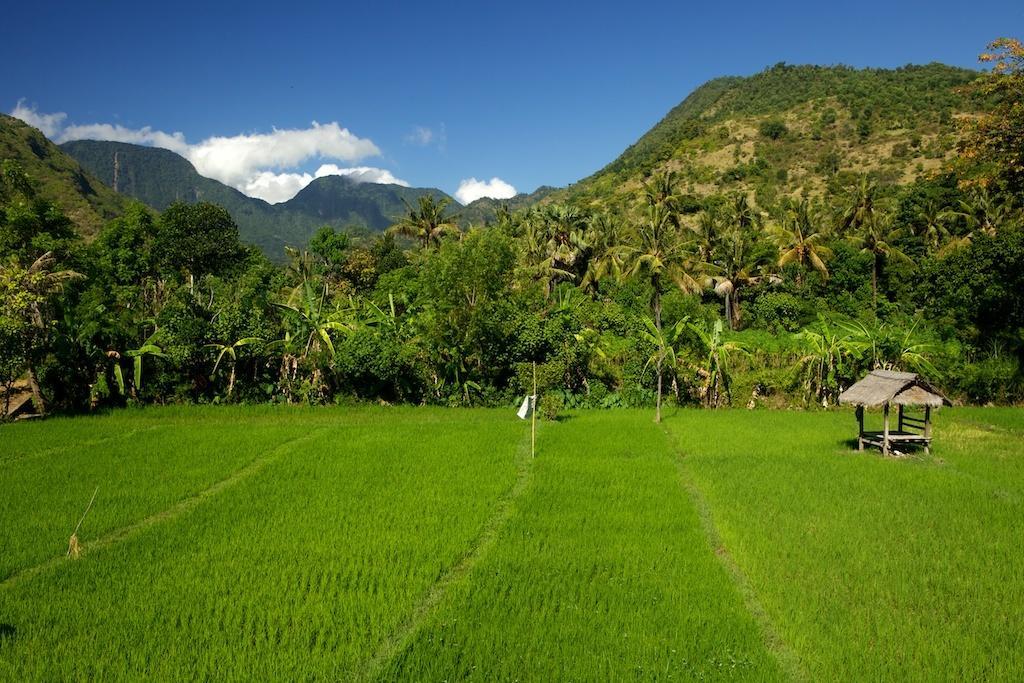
(74, 548)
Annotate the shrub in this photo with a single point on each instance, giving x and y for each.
(551, 405)
(773, 129)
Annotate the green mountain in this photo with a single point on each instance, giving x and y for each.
(373, 205)
(792, 128)
(59, 178)
(159, 177)
(485, 209)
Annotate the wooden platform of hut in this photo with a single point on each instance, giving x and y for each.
(882, 388)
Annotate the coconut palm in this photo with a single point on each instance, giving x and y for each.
(984, 212)
(799, 241)
(659, 253)
(708, 231)
(740, 260)
(538, 263)
(568, 243)
(606, 258)
(660, 189)
(861, 208)
(427, 223)
(879, 239)
(664, 343)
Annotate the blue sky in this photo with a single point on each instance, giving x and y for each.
(432, 94)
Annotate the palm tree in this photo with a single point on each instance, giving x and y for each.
(664, 342)
(660, 189)
(861, 208)
(428, 223)
(659, 253)
(799, 242)
(538, 263)
(605, 259)
(708, 231)
(740, 261)
(879, 238)
(983, 211)
(568, 244)
(930, 226)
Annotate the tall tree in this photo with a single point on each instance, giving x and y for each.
(659, 253)
(799, 241)
(197, 240)
(426, 223)
(740, 260)
(879, 238)
(861, 207)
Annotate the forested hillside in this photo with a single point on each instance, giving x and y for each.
(58, 178)
(793, 128)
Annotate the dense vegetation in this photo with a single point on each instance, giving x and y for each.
(368, 543)
(727, 298)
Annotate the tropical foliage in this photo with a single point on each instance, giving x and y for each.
(731, 298)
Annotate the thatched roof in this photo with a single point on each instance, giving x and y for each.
(879, 387)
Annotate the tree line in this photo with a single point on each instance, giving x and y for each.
(712, 302)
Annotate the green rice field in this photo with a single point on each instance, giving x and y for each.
(424, 544)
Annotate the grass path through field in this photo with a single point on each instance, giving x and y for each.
(870, 568)
(602, 572)
(407, 631)
(302, 568)
(787, 658)
(183, 506)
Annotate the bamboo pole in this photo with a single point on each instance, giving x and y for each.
(533, 415)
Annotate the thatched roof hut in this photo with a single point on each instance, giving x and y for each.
(880, 388)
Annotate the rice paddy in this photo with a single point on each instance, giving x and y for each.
(426, 544)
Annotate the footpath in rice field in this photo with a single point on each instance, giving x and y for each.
(421, 544)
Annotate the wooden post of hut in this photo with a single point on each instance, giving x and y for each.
(885, 432)
(883, 388)
(860, 430)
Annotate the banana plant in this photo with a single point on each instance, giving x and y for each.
(714, 369)
(148, 348)
(230, 350)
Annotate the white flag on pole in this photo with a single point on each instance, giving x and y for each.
(529, 403)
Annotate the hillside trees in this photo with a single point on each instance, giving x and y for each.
(993, 141)
(197, 239)
(427, 222)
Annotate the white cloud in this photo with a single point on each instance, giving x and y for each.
(256, 164)
(280, 187)
(141, 136)
(234, 160)
(50, 124)
(472, 189)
